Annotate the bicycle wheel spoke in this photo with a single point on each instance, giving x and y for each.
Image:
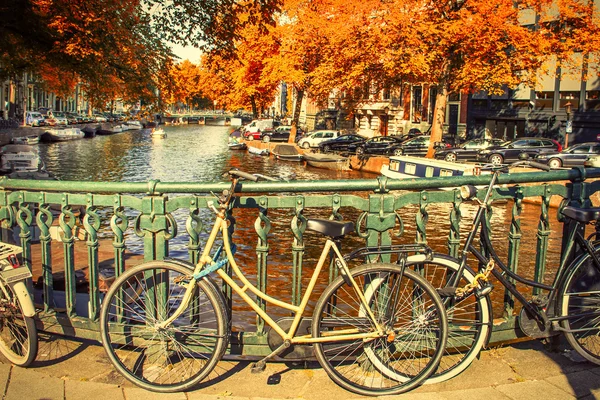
(162, 358)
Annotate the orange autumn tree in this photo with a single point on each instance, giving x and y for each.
(455, 46)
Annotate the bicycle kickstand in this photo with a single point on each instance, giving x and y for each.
(260, 366)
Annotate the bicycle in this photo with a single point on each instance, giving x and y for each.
(377, 329)
(18, 333)
(571, 307)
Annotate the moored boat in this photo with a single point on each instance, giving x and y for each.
(401, 167)
(62, 134)
(19, 158)
(109, 129)
(132, 125)
(327, 161)
(89, 130)
(30, 139)
(258, 151)
(287, 152)
(237, 146)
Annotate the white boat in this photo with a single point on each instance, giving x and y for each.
(62, 135)
(132, 125)
(19, 158)
(328, 161)
(158, 133)
(257, 151)
(402, 167)
(287, 152)
(30, 139)
(109, 129)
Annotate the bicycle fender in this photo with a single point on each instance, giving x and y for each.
(25, 299)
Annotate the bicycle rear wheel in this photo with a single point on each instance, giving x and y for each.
(469, 318)
(170, 359)
(409, 310)
(18, 334)
(580, 305)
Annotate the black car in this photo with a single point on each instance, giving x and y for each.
(341, 143)
(467, 151)
(417, 146)
(510, 151)
(573, 156)
(383, 145)
(279, 134)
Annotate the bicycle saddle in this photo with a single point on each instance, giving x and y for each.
(581, 214)
(330, 228)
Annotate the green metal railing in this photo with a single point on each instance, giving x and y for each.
(45, 217)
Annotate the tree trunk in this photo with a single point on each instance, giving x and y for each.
(439, 117)
(253, 103)
(296, 117)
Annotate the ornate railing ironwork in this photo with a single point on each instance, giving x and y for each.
(111, 226)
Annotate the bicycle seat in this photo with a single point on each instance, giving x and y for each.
(581, 214)
(330, 228)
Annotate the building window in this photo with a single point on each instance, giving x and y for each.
(569, 97)
(592, 100)
(417, 104)
(479, 104)
(545, 100)
(454, 97)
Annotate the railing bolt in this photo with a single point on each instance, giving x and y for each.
(424, 197)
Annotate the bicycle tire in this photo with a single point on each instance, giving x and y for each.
(18, 333)
(372, 367)
(580, 307)
(469, 319)
(167, 360)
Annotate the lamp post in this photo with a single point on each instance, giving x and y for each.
(569, 127)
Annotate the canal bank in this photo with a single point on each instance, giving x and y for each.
(71, 370)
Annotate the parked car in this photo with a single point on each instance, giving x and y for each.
(575, 155)
(279, 134)
(34, 118)
(342, 143)
(467, 151)
(313, 139)
(383, 145)
(72, 118)
(417, 146)
(510, 151)
(54, 118)
(99, 118)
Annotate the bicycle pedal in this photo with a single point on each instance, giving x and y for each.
(258, 367)
(485, 291)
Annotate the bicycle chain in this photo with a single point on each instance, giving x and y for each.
(484, 276)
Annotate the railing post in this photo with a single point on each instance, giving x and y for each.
(381, 219)
(262, 226)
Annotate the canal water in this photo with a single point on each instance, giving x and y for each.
(198, 153)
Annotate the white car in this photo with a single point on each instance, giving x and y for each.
(314, 138)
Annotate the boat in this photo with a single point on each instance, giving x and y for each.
(62, 134)
(30, 139)
(287, 152)
(132, 125)
(328, 161)
(258, 151)
(89, 130)
(237, 146)
(402, 167)
(158, 133)
(108, 129)
(19, 158)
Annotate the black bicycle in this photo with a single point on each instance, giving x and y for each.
(570, 305)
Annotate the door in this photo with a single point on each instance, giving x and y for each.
(453, 120)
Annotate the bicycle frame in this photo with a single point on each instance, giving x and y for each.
(220, 227)
(539, 314)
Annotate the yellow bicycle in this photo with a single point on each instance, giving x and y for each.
(377, 329)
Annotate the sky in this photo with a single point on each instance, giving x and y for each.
(186, 53)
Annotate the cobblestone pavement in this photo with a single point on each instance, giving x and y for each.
(68, 369)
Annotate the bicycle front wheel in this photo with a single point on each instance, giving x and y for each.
(404, 354)
(163, 359)
(18, 334)
(580, 307)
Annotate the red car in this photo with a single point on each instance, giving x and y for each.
(253, 135)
